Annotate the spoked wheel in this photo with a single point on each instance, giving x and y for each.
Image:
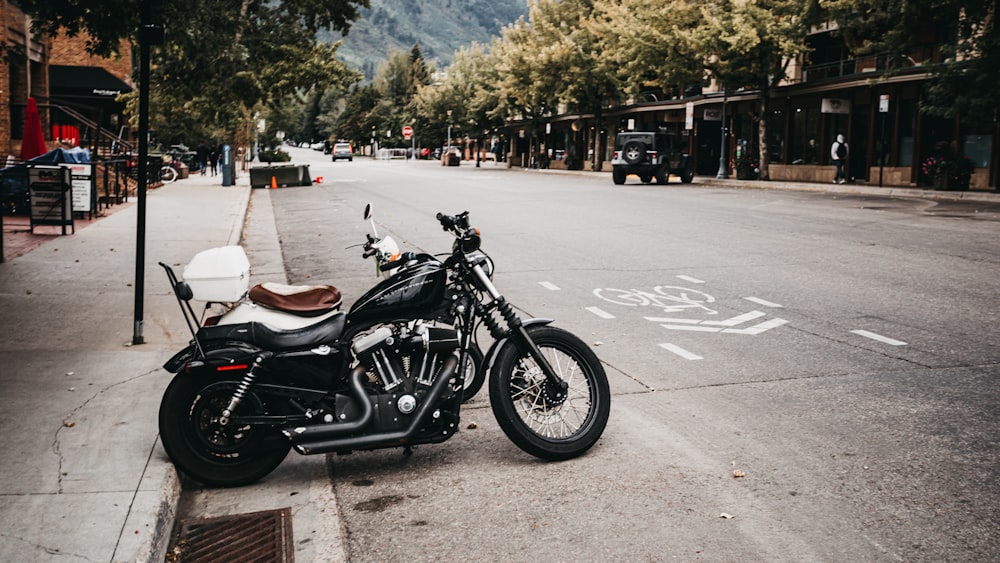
(168, 174)
(547, 422)
(216, 454)
(475, 374)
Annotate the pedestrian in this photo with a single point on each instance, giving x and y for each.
(839, 153)
(213, 159)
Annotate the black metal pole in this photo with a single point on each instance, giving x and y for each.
(723, 173)
(881, 150)
(145, 38)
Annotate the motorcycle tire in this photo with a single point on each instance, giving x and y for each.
(553, 430)
(475, 374)
(203, 449)
(168, 174)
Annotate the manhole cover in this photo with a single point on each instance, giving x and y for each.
(258, 536)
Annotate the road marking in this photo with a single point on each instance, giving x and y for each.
(697, 325)
(690, 279)
(763, 302)
(549, 286)
(680, 351)
(736, 320)
(757, 328)
(879, 337)
(600, 313)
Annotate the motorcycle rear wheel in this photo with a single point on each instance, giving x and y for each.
(202, 448)
(531, 416)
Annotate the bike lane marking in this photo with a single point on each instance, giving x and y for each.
(690, 279)
(549, 285)
(879, 337)
(680, 351)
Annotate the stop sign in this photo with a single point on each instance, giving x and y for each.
(407, 132)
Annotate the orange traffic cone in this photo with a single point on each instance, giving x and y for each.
(274, 183)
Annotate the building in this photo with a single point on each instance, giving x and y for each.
(877, 111)
(76, 93)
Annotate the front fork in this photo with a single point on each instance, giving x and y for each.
(518, 334)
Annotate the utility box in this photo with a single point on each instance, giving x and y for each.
(219, 274)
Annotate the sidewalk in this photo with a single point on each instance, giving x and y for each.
(82, 475)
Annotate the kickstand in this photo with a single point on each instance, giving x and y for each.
(407, 451)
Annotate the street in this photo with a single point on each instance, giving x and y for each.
(795, 376)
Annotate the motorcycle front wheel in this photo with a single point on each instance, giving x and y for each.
(533, 415)
(203, 448)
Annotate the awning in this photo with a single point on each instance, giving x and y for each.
(84, 82)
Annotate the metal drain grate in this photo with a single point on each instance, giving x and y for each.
(258, 536)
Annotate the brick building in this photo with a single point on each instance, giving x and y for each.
(76, 92)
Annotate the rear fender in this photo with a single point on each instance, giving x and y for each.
(499, 345)
(218, 357)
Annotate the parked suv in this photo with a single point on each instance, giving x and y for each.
(342, 150)
(650, 155)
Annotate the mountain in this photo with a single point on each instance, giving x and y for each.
(440, 27)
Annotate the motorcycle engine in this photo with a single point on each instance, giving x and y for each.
(403, 361)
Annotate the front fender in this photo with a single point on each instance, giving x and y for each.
(491, 356)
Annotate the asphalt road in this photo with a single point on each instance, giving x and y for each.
(796, 376)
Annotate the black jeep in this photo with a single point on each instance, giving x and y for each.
(650, 155)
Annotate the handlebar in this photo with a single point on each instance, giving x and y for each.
(456, 224)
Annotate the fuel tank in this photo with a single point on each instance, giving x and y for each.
(415, 291)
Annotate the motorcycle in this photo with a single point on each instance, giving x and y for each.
(388, 373)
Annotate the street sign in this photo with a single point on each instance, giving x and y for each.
(883, 103)
(407, 132)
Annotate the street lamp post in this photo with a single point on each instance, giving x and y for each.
(723, 169)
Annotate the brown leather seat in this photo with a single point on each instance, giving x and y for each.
(302, 300)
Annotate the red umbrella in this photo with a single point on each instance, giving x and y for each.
(33, 143)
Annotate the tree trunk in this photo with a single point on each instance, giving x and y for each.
(598, 159)
(762, 135)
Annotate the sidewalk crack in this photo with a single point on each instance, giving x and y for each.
(68, 423)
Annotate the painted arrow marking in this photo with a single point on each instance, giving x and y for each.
(697, 325)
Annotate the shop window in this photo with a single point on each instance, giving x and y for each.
(907, 118)
(805, 144)
(978, 148)
(776, 136)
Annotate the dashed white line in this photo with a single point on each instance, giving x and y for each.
(600, 313)
(680, 351)
(763, 302)
(690, 279)
(879, 337)
(549, 286)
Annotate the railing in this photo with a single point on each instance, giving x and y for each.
(103, 143)
(844, 67)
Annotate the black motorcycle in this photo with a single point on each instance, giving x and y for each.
(389, 373)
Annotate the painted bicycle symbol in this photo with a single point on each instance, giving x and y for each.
(671, 299)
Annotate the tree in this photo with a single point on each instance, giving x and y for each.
(107, 22)
(749, 45)
(216, 77)
(571, 50)
(652, 45)
(965, 75)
